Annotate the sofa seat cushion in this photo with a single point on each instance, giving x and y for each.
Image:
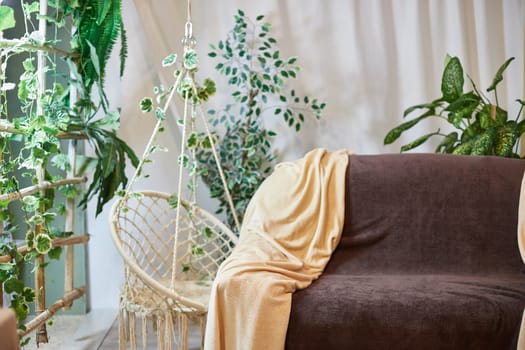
(407, 312)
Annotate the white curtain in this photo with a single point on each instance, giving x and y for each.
(367, 59)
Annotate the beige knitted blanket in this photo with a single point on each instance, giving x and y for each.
(290, 229)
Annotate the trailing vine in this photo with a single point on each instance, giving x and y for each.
(31, 139)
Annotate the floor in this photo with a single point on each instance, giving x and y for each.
(97, 330)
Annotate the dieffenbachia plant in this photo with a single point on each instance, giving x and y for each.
(482, 126)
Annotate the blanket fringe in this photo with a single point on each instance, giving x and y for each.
(202, 321)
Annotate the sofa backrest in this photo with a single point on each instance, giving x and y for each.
(430, 213)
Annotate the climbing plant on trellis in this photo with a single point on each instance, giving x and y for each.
(46, 114)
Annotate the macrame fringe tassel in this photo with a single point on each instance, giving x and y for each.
(144, 321)
(132, 330)
(160, 332)
(168, 335)
(181, 335)
(122, 325)
(184, 331)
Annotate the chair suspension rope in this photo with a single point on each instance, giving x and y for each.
(219, 167)
(179, 188)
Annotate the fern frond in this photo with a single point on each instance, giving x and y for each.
(100, 24)
(123, 48)
(103, 7)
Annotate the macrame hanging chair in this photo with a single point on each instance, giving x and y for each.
(171, 247)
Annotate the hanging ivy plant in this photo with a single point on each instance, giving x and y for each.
(30, 139)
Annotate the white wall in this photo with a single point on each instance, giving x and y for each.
(368, 59)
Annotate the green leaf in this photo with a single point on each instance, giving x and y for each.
(452, 80)
(191, 59)
(207, 232)
(103, 8)
(499, 75)
(85, 165)
(169, 60)
(43, 243)
(431, 105)
(186, 267)
(146, 104)
(464, 148)
(183, 160)
(506, 137)
(159, 113)
(447, 144)
(69, 191)
(32, 8)
(197, 251)
(110, 121)
(468, 100)
(94, 58)
(397, 131)
(61, 161)
(484, 143)
(173, 201)
(13, 285)
(417, 142)
(484, 118)
(55, 253)
(7, 18)
(206, 144)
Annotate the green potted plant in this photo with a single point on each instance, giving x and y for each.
(482, 126)
(259, 80)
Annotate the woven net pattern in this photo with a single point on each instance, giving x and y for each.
(144, 225)
(143, 228)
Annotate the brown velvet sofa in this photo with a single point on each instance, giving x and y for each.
(428, 258)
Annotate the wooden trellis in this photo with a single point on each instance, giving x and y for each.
(44, 310)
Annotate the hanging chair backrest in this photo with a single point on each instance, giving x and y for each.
(145, 228)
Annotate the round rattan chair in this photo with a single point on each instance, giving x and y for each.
(168, 276)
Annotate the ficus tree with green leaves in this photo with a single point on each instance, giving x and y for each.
(259, 82)
(482, 126)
